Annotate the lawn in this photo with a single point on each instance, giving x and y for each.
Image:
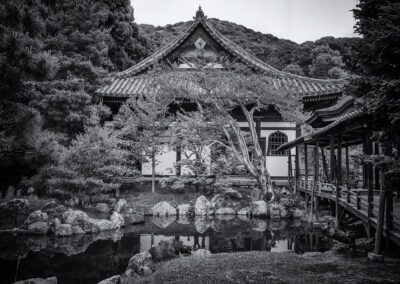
(267, 267)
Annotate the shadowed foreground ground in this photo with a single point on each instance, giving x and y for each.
(266, 267)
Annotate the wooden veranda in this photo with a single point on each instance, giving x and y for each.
(328, 178)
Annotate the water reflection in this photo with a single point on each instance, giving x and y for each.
(90, 258)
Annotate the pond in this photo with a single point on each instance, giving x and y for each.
(91, 258)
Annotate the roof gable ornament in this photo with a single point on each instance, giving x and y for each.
(200, 15)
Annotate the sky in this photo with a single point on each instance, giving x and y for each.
(297, 20)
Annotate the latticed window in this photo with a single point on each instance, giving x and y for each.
(275, 140)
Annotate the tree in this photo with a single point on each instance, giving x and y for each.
(294, 69)
(221, 92)
(148, 116)
(324, 59)
(72, 175)
(53, 56)
(378, 87)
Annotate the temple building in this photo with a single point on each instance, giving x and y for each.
(201, 39)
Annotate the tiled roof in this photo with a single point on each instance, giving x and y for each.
(311, 137)
(129, 82)
(328, 114)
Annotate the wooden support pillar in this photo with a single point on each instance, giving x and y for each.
(297, 170)
(306, 165)
(369, 180)
(332, 159)
(381, 217)
(338, 176)
(290, 168)
(347, 174)
(376, 169)
(324, 165)
(316, 178)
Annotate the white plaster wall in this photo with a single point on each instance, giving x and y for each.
(164, 163)
(278, 165)
(278, 124)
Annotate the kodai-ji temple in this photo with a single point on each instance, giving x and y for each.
(201, 39)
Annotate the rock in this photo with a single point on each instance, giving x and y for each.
(77, 230)
(59, 211)
(259, 225)
(163, 222)
(163, 208)
(275, 211)
(101, 225)
(255, 194)
(50, 280)
(112, 280)
(165, 250)
(222, 201)
(185, 210)
(119, 205)
(232, 194)
(244, 218)
(244, 211)
(144, 271)
(225, 211)
(298, 213)
(133, 219)
(49, 205)
(259, 208)
(30, 190)
(285, 214)
(201, 252)
(129, 275)
(38, 228)
(103, 207)
(74, 217)
(202, 206)
(36, 216)
(201, 224)
(15, 205)
(117, 220)
(63, 230)
(53, 225)
(140, 259)
(184, 220)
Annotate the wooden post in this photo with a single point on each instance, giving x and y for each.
(316, 177)
(369, 179)
(297, 169)
(347, 174)
(338, 177)
(290, 168)
(332, 158)
(376, 169)
(324, 165)
(306, 165)
(381, 216)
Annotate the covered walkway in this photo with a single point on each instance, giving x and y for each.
(330, 175)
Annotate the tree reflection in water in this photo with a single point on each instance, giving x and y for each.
(91, 258)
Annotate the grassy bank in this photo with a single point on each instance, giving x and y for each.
(267, 267)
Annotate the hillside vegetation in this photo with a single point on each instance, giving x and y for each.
(314, 59)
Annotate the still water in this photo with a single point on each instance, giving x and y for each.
(91, 258)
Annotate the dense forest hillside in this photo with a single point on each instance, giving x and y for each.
(53, 56)
(309, 58)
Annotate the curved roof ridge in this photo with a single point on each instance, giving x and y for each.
(158, 53)
(278, 72)
(234, 49)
